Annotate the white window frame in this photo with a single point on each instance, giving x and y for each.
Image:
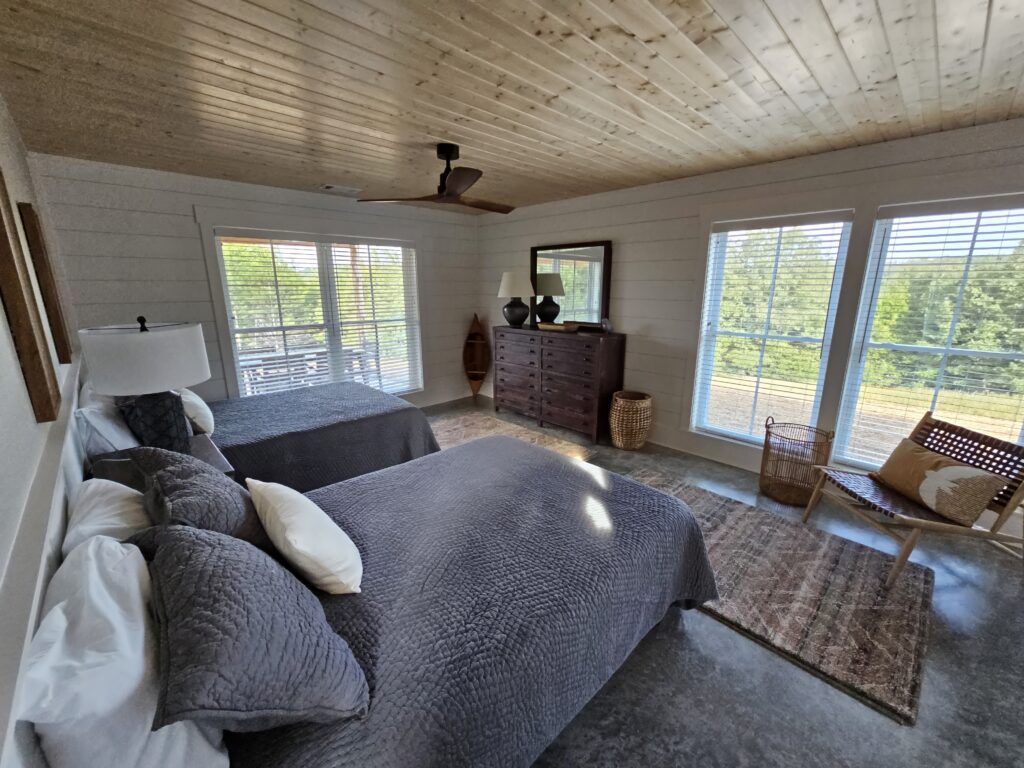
(311, 228)
(711, 306)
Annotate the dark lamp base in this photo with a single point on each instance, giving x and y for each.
(516, 312)
(547, 310)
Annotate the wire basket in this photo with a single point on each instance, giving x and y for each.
(630, 419)
(787, 464)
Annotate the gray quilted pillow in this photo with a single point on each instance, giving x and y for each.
(184, 490)
(242, 644)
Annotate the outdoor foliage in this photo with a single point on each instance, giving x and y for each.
(915, 306)
(279, 284)
(798, 301)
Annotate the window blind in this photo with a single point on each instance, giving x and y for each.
(940, 328)
(769, 307)
(310, 312)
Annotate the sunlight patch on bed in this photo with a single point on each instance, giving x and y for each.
(599, 475)
(598, 514)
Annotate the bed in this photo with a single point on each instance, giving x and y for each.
(311, 437)
(503, 585)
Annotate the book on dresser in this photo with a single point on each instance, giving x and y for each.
(558, 378)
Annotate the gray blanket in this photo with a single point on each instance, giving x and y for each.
(311, 437)
(503, 585)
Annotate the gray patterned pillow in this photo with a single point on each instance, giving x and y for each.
(184, 490)
(242, 644)
(157, 420)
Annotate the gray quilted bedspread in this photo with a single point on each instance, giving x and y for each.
(311, 437)
(503, 585)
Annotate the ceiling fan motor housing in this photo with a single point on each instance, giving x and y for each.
(447, 152)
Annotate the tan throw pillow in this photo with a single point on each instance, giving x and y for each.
(946, 486)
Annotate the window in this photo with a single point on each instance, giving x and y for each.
(941, 328)
(305, 312)
(581, 271)
(769, 306)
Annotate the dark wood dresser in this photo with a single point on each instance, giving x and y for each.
(558, 378)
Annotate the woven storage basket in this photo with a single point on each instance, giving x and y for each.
(787, 462)
(630, 419)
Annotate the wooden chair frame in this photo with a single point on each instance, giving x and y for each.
(972, 448)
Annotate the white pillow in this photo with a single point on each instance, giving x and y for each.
(197, 411)
(101, 425)
(307, 538)
(89, 683)
(104, 508)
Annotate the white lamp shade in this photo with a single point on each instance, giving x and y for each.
(550, 284)
(124, 361)
(515, 284)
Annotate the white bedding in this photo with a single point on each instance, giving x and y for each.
(89, 682)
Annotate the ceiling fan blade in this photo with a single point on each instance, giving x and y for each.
(425, 199)
(485, 205)
(461, 179)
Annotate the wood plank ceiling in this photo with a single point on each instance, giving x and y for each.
(552, 98)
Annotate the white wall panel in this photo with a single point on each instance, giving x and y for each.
(131, 245)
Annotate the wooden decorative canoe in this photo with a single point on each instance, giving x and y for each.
(476, 355)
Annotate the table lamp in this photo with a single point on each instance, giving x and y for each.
(515, 285)
(139, 365)
(549, 284)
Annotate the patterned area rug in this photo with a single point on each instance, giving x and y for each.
(461, 428)
(817, 599)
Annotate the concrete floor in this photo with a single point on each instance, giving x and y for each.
(696, 693)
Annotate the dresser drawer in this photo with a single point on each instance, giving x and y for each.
(582, 364)
(516, 337)
(516, 376)
(517, 354)
(527, 404)
(559, 382)
(571, 398)
(569, 341)
(563, 417)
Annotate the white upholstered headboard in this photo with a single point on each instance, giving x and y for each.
(34, 557)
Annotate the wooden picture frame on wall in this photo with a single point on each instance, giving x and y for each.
(24, 318)
(46, 280)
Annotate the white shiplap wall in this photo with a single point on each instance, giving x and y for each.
(131, 245)
(660, 243)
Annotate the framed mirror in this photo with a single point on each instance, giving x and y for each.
(585, 272)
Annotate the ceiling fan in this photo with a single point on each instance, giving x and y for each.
(454, 181)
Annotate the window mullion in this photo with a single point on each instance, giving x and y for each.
(280, 309)
(961, 290)
(373, 314)
(329, 300)
(767, 328)
(862, 338)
